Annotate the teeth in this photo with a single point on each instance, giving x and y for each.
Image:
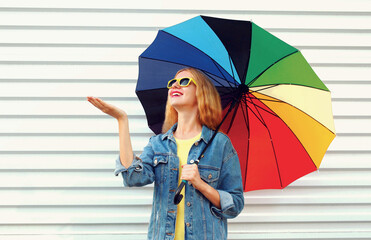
(176, 94)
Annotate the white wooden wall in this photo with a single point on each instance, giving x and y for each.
(57, 151)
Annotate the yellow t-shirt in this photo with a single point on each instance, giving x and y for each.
(183, 147)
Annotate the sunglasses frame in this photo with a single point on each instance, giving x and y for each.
(179, 79)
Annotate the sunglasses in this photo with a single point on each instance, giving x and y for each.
(183, 82)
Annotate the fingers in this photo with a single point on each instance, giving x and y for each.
(96, 102)
(93, 101)
(190, 172)
(99, 103)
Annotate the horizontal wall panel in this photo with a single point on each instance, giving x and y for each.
(78, 229)
(98, 178)
(126, 89)
(118, 71)
(346, 160)
(72, 107)
(303, 235)
(137, 18)
(111, 143)
(96, 215)
(97, 36)
(106, 161)
(84, 107)
(48, 70)
(285, 5)
(140, 196)
(81, 197)
(295, 227)
(77, 36)
(105, 124)
(83, 215)
(239, 236)
(336, 56)
(234, 228)
(101, 90)
(130, 53)
(109, 215)
(355, 125)
(76, 236)
(72, 54)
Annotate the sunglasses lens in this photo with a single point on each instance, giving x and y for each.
(171, 82)
(184, 81)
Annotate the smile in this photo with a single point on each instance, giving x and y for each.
(176, 94)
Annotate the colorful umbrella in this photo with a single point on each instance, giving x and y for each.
(282, 123)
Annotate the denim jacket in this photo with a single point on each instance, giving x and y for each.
(219, 167)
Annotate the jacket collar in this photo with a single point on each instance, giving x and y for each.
(206, 133)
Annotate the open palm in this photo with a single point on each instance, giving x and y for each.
(107, 108)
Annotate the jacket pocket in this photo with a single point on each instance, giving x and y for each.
(160, 165)
(209, 174)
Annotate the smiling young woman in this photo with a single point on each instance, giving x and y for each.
(214, 191)
(208, 99)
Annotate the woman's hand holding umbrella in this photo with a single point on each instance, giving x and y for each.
(191, 174)
(126, 150)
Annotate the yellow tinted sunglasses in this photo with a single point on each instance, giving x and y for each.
(183, 82)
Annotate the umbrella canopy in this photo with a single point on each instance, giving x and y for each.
(282, 123)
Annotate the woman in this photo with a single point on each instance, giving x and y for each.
(214, 191)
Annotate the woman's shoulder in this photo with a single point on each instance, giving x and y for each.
(157, 137)
(224, 140)
(221, 136)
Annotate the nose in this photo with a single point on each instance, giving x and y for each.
(175, 85)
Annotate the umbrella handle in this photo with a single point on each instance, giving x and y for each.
(178, 196)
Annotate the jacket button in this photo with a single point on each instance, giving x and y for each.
(188, 224)
(210, 176)
(196, 143)
(155, 160)
(188, 204)
(192, 161)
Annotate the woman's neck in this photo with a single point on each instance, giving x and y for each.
(188, 125)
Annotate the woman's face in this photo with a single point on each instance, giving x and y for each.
(183, 97)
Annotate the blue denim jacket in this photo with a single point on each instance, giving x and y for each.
(219, 167)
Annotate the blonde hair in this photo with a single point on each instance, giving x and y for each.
(208, 102)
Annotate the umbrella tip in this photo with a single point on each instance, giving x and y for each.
(243, 88)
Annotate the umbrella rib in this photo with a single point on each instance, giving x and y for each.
(229, 91)
(270, 136)
(270, 100)
(246, 117)
(290, 84)
(230, 64)
(229, 83)
(245, 102)
(233, 117)
(272, 113)
(257, 77)
(209, 75)
(268, 87)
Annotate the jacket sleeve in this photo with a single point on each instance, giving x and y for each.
(141, 171)
(230, 186)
